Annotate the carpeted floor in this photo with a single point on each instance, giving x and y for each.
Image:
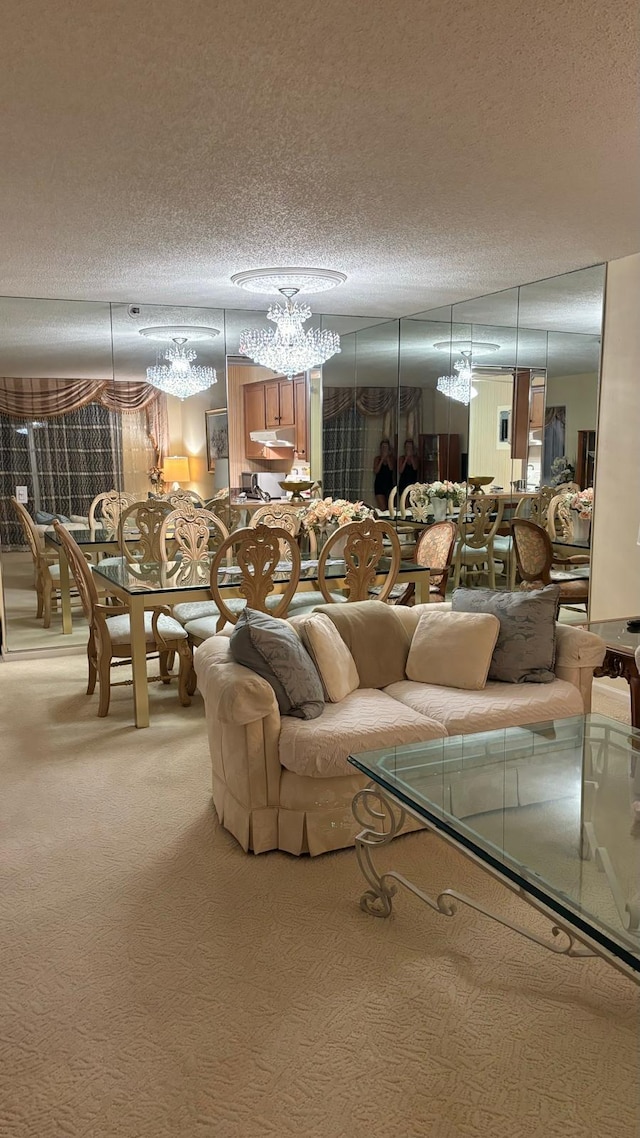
(156, 981)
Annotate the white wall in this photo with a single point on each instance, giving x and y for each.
(615, 580)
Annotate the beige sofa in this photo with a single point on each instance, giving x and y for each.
(285, 783)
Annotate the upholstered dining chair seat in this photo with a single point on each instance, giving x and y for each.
(502, 544)
(194, 610)
(472, 552)
(54, 570)
(120, 628)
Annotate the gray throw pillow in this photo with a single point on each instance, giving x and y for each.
(271, 648)
(525, 650)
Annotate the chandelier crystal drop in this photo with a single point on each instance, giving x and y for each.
(180, 377)
(289, 349)
(458, 386)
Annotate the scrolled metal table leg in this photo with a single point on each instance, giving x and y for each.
(382, 821)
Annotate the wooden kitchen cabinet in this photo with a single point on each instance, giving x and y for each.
(278, 402)
(254, 417)
(536, 415)
(301, 418)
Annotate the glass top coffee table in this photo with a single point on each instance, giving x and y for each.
(551, 809)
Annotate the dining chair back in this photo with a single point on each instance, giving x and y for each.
(392, 501)
(434, 551)
(536, 557)
(140, 528)
(45, 566)
(479, 522)
(110, 633)
(364, 549)
(177, 497)
(287, 517)
(230, 515)
(105, 510)
(190, 533)
(560, 518)
(257, 553)
(539, 506)
(404, 498)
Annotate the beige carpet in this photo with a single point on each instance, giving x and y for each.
(157, 981)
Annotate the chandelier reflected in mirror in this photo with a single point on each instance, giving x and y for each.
(459, 386)
(178, 376)
(288, 349)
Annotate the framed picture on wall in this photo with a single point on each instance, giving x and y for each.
(217, 433)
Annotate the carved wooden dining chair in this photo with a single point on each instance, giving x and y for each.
(46, 568)
(434, 550)
(257, 553)
(190, 533)
(140, 529)
(560, 519)
(540, 565)
(480, 519)
(287, 517)
(109, 642)
(105, 510)
(366, 544)
(177, 497)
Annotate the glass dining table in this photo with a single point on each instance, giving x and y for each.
(147, 586)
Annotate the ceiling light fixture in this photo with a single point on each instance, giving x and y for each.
(466, 346)
(459, 386)
(289, 349)
(180, 378)
(276, 280)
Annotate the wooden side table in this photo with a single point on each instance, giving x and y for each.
(620, 659)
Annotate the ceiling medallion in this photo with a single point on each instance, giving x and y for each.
(191, 332)
(289, 349)
(178, 376)
(300, 280)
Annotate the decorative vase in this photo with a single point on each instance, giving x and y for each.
(337, 549)
(439, 509)
(581, 527)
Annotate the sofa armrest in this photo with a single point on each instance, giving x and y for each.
(232, 693)
(577, 648)
(578, 652)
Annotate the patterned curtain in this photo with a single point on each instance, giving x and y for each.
(73, 458)
(344, 455)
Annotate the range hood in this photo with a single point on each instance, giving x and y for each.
(282, 437)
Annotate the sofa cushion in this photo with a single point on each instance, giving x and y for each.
(376, 638)
(335, 664)
(271, 648)
(525, 651)
(452, 649)
(365, 720)
(497, 705)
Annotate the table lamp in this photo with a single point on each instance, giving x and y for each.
(175, 469)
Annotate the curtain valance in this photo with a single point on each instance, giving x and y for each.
(369, 400)
(49, 398)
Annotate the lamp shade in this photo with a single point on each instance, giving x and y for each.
(175, 468)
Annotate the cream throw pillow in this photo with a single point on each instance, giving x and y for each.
(333, 660)
(453, 649)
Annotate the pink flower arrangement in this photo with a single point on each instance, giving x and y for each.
(326, 512)
(582, 501)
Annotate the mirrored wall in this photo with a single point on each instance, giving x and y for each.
(502, 388)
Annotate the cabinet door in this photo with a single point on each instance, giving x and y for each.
(300, 398)
(254, 417)
(537, 409)
(285, 393)
(272, 404)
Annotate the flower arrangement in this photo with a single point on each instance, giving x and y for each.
(326, 512)
(562, 471)
(155, 477)
(454, 492)
(582, 501)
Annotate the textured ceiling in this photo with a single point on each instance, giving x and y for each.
(431, 151)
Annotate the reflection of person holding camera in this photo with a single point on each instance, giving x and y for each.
(384, 469)
(408, 467)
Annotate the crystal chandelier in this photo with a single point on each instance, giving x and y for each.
(180, 377)
(459, 386)
(289, 349)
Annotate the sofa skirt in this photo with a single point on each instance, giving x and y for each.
(314, 816)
